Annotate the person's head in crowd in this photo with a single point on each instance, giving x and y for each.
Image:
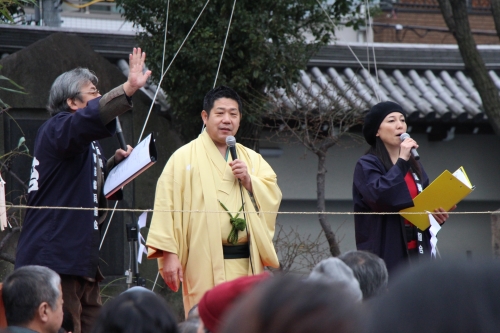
(289, 304)
(217, 301)
(33, 299)
(193, 313)
(437, 297)
(189, 326)
(369, 269)
(138, 310)
(334, 270)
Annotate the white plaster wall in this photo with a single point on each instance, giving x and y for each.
(296, 168)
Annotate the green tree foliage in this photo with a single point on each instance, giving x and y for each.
(268, 43)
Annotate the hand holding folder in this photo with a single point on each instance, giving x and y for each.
(445, 191)
(142, 157)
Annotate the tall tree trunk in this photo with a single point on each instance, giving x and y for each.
(456, 18)
(320, 189)
(495, 9)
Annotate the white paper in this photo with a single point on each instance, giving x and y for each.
(460, 176)
(138, 159)
(142, 220)
(433, 230)
(141, 223)
(142, 249)
(3, 209)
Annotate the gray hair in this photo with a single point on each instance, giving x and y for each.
(335, 271)
(369, 269)
(25, 289)
(68, 85)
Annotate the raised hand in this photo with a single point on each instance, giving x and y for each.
(136, 78)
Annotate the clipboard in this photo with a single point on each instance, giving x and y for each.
(445, 191)
(141, 158)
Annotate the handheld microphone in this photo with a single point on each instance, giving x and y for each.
(413, 150)
(231, 143)
(119, 135)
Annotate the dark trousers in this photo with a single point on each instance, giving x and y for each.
(82, 299)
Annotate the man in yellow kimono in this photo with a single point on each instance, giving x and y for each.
(195, 232)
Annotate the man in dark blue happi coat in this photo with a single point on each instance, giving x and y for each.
(69, 171)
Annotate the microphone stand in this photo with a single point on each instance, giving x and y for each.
(132, 229)
(133, 238)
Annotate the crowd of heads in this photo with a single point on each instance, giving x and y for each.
(348, 294)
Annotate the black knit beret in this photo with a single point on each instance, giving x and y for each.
(375, 116)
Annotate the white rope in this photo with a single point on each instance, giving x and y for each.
(196, 211)
(164, 73)
(165, 38)
(162, 64)
(154, 284)
(348, 46)
(109, 223)
(370, 27)
(225, 41)
(222, 53)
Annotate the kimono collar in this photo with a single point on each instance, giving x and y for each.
(213, 152)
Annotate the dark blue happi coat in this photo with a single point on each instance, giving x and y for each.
(64, 175)
(375, 190)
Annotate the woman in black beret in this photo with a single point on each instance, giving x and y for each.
(386, 179)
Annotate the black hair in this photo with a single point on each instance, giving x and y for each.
(221, 92)
(136, 311)
(381, 152)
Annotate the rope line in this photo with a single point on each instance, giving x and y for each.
(168, 67)
(165, 37)
(222, 53)
(248, 212)
(350, 49)
(225, 41)
(113, 210)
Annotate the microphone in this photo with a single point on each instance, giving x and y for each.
(413, 150)
(119, 135)
(231, 143)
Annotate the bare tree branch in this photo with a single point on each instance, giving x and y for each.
(456, 18)
(317, 121)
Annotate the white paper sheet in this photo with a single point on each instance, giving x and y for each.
(130, 167)
(141, 223)
(433, 230)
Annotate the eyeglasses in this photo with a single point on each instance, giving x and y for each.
(93, 93)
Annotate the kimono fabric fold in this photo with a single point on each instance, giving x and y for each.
(189, 220)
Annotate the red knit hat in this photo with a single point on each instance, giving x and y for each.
(214, 304)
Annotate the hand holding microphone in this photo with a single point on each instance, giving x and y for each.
(413, 150)
(238, 167)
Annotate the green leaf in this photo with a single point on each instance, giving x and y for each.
(14, 91)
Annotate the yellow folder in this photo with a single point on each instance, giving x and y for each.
(445, 191)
